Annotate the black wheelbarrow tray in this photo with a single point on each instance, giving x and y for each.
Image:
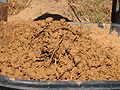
(7, 83)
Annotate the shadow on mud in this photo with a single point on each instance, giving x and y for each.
(54, 16)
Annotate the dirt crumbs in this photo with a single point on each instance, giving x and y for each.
(57, 51)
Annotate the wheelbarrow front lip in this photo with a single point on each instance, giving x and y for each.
(90, 23)
(29, 84)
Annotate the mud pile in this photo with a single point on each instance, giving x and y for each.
(57, 51)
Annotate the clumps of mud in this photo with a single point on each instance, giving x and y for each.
(57, 51)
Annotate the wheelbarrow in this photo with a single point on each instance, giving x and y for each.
(7, 83)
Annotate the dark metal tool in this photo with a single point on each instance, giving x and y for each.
(116, 12)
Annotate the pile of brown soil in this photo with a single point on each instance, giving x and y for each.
(57, 51)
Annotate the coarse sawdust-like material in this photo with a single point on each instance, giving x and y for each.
(57, 51)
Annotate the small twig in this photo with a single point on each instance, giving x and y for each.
(37, 35)
(85, 17)
(73, 60)
(61, 40)
(74, 12)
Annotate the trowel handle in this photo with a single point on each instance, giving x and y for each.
(3, 10)
(115, 11)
